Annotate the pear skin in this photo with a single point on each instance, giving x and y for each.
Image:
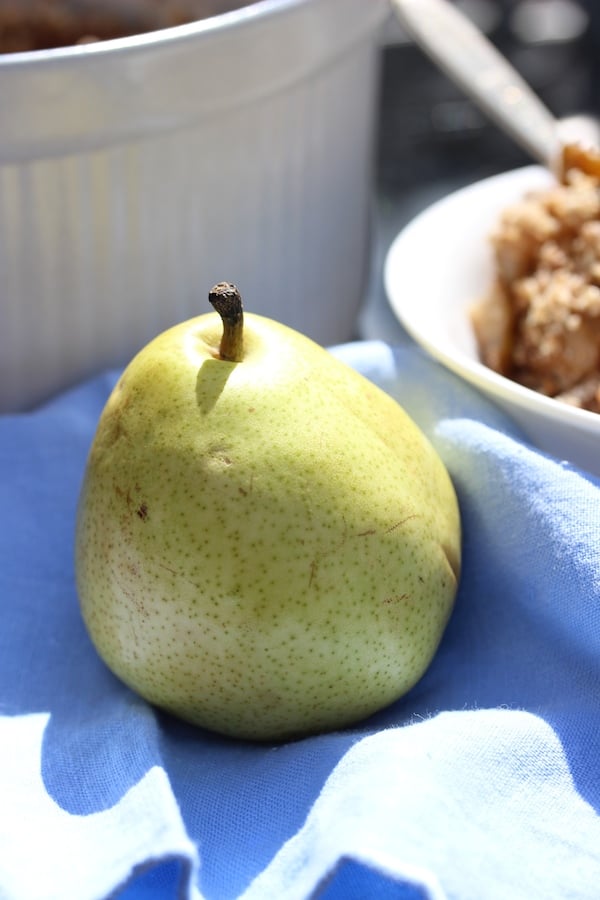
(265, 547)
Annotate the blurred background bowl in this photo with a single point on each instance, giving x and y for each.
(438, 267)
(136, 172)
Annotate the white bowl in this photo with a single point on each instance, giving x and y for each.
(136, 173)
(437, 267)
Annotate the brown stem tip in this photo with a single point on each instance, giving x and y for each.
(227, 301)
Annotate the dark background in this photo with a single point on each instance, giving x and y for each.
(433, 140)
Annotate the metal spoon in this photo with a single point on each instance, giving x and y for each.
(469, 59)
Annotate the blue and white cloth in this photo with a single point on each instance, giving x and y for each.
(483, 783)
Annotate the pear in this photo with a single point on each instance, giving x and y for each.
(266, 544)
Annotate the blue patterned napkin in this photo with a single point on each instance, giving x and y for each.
(482, 783)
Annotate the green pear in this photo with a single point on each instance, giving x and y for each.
(266, 544)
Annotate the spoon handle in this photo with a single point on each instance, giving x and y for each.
(469, 59)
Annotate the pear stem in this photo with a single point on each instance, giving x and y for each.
(227, 301)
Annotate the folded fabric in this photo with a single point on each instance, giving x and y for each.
(483, 782)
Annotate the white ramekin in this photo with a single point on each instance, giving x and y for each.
(135, 173)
